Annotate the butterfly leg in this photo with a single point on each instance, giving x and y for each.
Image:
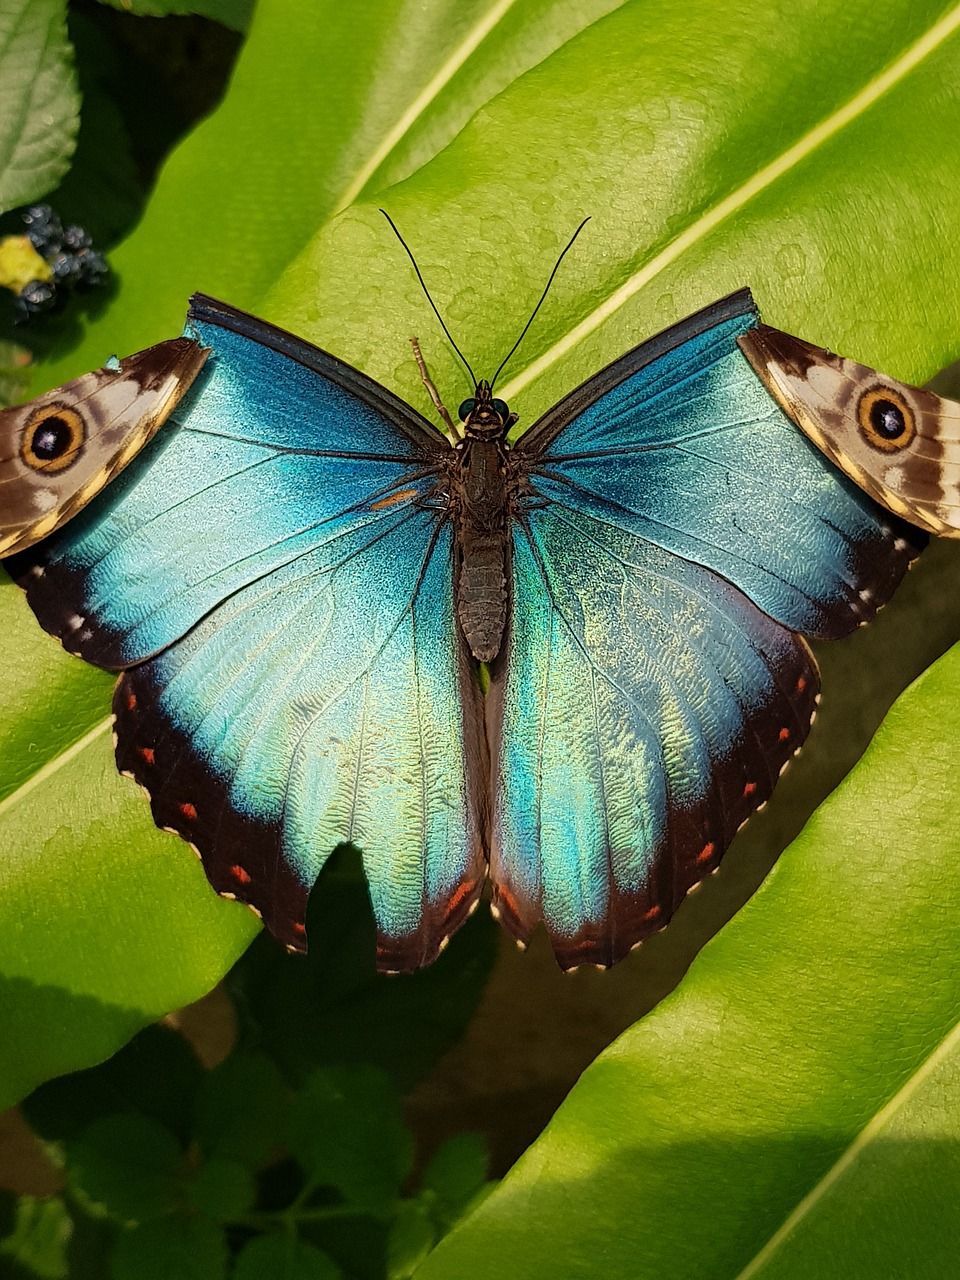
(452, 427)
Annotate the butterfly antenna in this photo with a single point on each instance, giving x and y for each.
(423, 286)
(493, 380)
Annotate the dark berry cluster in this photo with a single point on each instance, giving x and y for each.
(70, 255)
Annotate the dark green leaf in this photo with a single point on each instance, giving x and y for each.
(39, 103)
(240, 1109)
(8, 1212)
(177, 1248)
(221, 1189)
(346, 1129)
(37, 1245)
(333, 1007)
(128, 1164)
(454, 1176)
(283, 1257)
(412, 1236)
(156, 1074)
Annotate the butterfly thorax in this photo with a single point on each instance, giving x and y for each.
(481, 511)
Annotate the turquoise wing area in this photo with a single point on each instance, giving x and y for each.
(640, 712)
(278, 450)
(675, 531)
(329, 702)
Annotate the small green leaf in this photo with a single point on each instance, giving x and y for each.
(455, 1175)
(412, 1236)
(240, 1109)
(39, 102)
(221, 1189)
(127, 1164)
(283, 1257)
(175, 1248)
(346, 1130)
(38, 1242)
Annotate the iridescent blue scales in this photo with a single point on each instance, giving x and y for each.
(275, 577)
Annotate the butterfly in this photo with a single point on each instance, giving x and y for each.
(60, 450)
(573, 665)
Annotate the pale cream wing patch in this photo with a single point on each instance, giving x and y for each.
(900, 444)
(58, 451)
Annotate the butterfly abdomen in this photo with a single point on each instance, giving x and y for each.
(482, 520)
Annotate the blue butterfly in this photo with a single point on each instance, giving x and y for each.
(300, 576)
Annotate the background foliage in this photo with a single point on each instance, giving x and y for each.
(791, 1105)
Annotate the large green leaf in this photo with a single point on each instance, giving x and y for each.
(810, 152)
(39, 103)
(791, 1111)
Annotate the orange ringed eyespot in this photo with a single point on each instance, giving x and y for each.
(886, 420)
(52, 438)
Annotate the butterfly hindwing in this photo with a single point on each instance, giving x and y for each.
(57, 452)
(678, 531)
(899, 443)
(278, 588)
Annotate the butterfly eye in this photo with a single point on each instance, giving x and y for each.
(886, 420)
(501, 407)
(466, 409)
(53, 438)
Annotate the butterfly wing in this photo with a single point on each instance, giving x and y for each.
(57, 452)
(272, 577)
(677, 533)
(899, 443)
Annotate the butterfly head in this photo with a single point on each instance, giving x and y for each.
(483, 417)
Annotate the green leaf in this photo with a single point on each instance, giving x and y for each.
(412, 1236)
(221, 1189)
(39, 103)
(805, 1078)
(128, 1164)
(283, 1258)
(346, 1130)
(240, 1109)
(232, 13)
(37, 1245)
(454, 1176)
(105, 923)
(176, 1248)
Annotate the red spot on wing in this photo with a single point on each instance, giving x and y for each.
(131, 702)
(801, 684)
(462, 891)
(147, 753)
(240, 874)
(652, 913)
(188, 811)
(299, 928)
(749, 789)
(784, 734)
(707, 852)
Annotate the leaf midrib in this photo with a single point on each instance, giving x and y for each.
(880, 85)
(868, 1134)
(434, 87)
(54, 765)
